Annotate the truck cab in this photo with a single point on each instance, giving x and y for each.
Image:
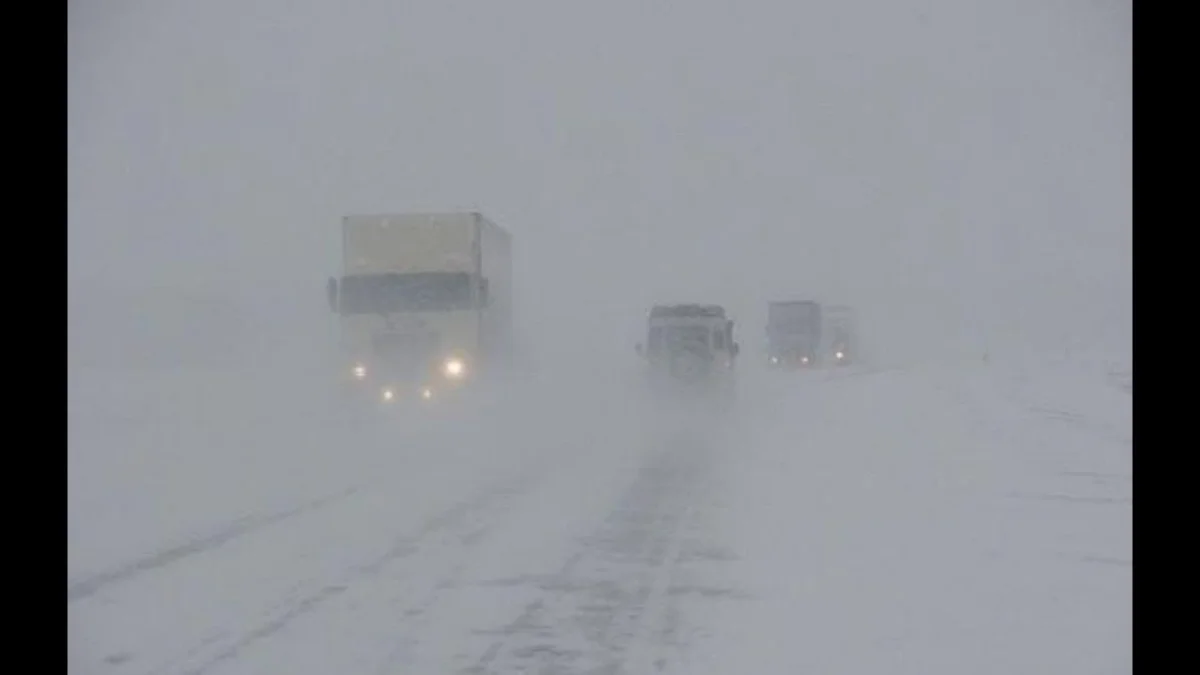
(690, 347)
(843, 335)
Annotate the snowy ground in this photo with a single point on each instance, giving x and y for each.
(963, 518)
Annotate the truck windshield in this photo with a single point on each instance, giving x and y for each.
(428, 291)
(674, 338)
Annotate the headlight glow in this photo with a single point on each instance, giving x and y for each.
(388, 394)
(426, 393)
(804, 359)
(455, 368)
(360, 371)
(839, 355)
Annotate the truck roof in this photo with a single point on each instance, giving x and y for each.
(403, 218)
(681, 310)
(405, 215)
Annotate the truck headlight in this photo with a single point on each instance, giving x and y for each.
(388, 394)
(360, 372)
(839, 355)
(454, 368)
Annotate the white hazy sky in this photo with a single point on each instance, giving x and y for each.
(958, 169)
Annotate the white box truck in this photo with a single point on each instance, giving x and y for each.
(794, 334)
(424, 302)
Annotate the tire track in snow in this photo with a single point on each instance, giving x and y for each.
(639, 657)
(417, 616)
(1097, 474)
(606, 601)
(489, 501)
(836, 373)
(1069, 498)
(223, 535)
(1079, 421)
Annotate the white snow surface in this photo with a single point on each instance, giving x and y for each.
(966, 517)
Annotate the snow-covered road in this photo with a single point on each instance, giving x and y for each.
(936, 520)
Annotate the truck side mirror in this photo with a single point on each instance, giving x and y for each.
(331, 294)
(737, 348)
(638, 348)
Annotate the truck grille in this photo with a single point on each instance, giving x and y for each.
(690, 366)
(405, 354)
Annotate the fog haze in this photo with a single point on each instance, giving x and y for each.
(959, 171)
(953, 497)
